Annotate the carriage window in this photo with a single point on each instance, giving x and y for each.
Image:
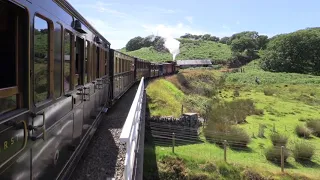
(13, 29)
(57, 60)
(106, 63)
(41, 60)
(97, 61)
(79, 62)
(67, 61)
(115, 65)
(86, 62)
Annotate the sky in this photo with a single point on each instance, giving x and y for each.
(121, 20)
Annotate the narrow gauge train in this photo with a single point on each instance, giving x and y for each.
(58, 75)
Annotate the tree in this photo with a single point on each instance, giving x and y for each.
(134, 44)
(297, 52)
(262, 41)
(214, 38)
(224, 40)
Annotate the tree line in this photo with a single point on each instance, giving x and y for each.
(297, 52)
(139, 42)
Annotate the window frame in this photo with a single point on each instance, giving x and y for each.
(62, 61)
(71, 59)
(50, 61)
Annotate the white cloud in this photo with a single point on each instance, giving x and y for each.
(238, 22)
(170, 31)
(189, 19)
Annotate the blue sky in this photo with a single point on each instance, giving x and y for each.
(120, 20)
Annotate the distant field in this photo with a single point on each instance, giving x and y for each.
(294, 97)
(189, 49)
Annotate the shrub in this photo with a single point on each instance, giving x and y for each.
(303, 131)
(210, 167)
(172, 168)
(279, 139)
(251, 175)
(269, 91)
(274, 154)
(303, 151)
(314, 125)
(235, 137)
(229, 171)
(199, 176)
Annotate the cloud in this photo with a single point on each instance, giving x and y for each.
(238, 22)
(170, 31)
(189, 19)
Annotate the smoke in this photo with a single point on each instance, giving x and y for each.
(173, 46)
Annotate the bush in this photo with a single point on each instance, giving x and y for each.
(303, 151)
(229, 171)
(172, 168)
(251, 175)
(269, 91)
(235, 137)
(274, 154)
(209, 167)
(314, 125)
(279, 139)
(303, 131)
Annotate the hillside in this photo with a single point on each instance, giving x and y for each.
(279, 104)
(189, 49)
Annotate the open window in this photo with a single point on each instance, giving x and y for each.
(67, 61)
(87, 63)
(79, 62)
(13, 55)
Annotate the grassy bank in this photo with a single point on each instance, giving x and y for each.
(286, 99)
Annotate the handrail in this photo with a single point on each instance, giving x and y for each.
(129, 134)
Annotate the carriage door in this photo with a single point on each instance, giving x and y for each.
(80, 91)
(13, 92)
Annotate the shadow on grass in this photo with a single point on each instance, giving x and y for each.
(241, 149)
(309, 164)
(150, 167)
(287, 165)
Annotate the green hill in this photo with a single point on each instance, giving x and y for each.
(189, 49)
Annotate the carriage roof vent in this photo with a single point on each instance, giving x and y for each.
(97, 40)
(78, 26)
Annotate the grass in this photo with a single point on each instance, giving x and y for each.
(166, 98)
(288, 100)
(189, 49)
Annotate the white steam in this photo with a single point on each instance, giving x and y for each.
(173, 46)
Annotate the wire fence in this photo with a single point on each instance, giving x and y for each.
(174, 136)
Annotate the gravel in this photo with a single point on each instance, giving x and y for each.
(105, 155)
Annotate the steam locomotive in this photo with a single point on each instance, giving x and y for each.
(58, 76)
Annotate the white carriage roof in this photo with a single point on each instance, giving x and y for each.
(194, 62)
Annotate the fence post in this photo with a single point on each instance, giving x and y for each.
(225, 150)
(173, 142)
(182, 109)
(282, 158)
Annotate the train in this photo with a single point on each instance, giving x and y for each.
(58, 76)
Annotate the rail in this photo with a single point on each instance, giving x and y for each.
(130, 132)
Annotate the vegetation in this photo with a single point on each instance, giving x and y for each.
(314, 125)
(303, 131)
(303, 151)
(156, 42)
(274, 154)
(279, 139)
(166, 98)
(294, 99)
(205, 37)
(297, 52)
(189, 49)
